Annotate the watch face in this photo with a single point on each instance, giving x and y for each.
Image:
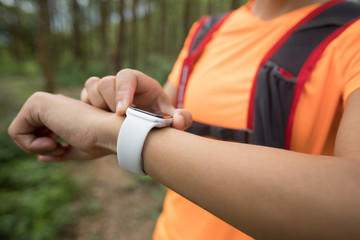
(152, 113)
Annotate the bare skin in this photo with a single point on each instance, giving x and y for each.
(270, 9)
(128, 87)
(267, 193)
(290, 195)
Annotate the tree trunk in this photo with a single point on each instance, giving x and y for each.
(187, 19)
(209, 6)
(76, 19)
(163, 27)
(148, 44)
(16, 32)
(104, 13)
(119, 50)
(234, 4)
(42, 45)
(134, 37)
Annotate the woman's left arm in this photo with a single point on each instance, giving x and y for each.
(266, 192)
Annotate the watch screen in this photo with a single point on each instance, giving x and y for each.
(152, 113)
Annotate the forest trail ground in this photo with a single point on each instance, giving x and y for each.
(112, 204)
(116, 205)
(121, 205)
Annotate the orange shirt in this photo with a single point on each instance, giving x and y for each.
(218, 93)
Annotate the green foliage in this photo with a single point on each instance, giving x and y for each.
(71, 72)
(35, 200)
(8, 107)
(10, 66)
(160, 29)
(158, 67)
(8, 149)
(91, 208)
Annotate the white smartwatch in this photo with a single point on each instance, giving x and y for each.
(132, 135)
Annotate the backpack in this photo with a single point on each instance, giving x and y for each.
(280, 77)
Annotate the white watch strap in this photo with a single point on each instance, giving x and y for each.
(130, 143)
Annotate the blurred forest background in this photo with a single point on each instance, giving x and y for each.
(68, 40)
(54, 46)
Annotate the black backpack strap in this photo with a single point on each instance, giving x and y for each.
(310, 35)
(208, 25)
(204, 29)
(221, 133)
(282, 75)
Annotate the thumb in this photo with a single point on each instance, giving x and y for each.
(182, 119)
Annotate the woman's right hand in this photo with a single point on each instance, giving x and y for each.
(131, 87)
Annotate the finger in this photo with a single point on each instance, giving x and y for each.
(106, 88)
(53, 155)
(181, 119)
(125, 89)
(76, 154)
(47, 158)
(33, 144)
(84, 96)
(95, 98)
(29, 135)
(43, 141)
(69, 154)
(42, 144)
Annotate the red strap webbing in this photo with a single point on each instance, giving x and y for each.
(305, 74)
(275, 48)
(190, 61)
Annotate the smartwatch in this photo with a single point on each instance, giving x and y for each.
(133, 133)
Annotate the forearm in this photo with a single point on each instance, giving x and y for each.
(263, 191)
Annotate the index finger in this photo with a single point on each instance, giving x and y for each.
(126, 83)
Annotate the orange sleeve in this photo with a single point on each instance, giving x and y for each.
(352, 85)
(352, 70)
(174, 76)
(353, 82)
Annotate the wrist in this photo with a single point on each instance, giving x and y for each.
(133, 134)
(107, 132)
